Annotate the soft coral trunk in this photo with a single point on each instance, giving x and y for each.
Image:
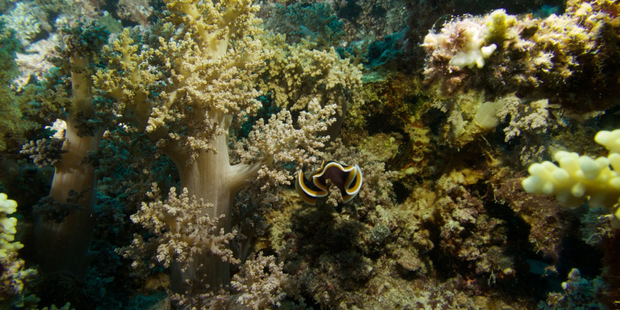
(65, 247)
(211, 177)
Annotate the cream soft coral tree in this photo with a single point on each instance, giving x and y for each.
(183, 88)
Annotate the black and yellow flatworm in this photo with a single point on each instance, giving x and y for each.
(347, 178)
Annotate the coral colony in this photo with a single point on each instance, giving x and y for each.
(351, 154)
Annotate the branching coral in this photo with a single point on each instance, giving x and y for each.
(184, 91)
(44, 152)
(268, 141)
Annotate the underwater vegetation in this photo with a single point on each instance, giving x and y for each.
(350, 154)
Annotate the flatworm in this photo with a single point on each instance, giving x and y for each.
(347, 178)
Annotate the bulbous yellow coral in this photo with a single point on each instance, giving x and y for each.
(12, 273)
(7, 224)
(578, 177)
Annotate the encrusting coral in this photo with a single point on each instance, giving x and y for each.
(534, 58)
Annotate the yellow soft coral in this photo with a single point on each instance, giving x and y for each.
(298, 74)
(210, 65)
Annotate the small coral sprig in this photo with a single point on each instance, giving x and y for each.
(280, 141)
(262, 283)
(181, 229)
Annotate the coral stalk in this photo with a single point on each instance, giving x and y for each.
(212, 178)
(65, 246)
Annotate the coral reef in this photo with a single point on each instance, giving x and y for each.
(189, 119)
(152, 150)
